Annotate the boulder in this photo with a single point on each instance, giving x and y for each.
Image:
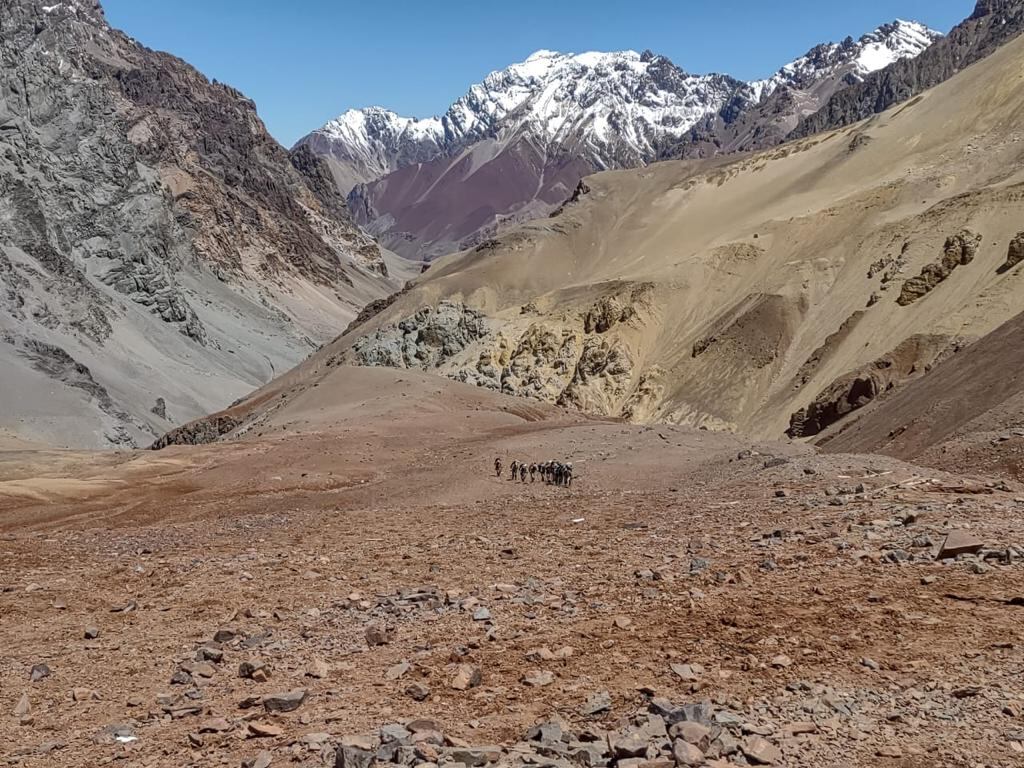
(284, 702)
(959, 543)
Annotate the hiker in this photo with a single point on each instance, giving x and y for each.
(533, 471)
(568, 474)
(497, 467)
(515, 469)
(522, 472)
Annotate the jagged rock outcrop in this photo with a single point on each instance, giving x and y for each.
(199, 432)
(992, 24)
(960, 249)
(853, 391)
(582, 359)
(149, 223)
(1015, 253)
(426, 340)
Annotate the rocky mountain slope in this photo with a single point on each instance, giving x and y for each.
(992, 24)
(778, 292)
(160, 253)
(516, 144)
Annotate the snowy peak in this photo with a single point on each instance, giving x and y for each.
(854, 58)
(620, 108)
(555, 94)
(627, 99)
(357, 125)
(366, 144)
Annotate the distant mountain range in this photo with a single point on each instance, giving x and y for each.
(516, 145)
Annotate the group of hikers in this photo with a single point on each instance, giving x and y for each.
(550, 472)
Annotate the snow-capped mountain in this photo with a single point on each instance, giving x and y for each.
(624, 97)
(856, 58)
(555, 117)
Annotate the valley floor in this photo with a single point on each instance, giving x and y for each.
(798, 592)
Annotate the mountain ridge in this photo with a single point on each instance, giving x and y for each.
(151, 225)
(547, 121)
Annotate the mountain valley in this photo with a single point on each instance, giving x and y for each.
(151, 224)
(270, 490)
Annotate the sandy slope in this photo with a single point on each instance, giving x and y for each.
(753, 263)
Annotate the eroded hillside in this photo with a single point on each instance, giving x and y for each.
(779, 291)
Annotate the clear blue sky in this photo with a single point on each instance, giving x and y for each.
(307, 61)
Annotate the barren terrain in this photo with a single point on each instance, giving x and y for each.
(799, 594)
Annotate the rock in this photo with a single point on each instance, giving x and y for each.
(91, 633)
(83, 694)
(318, 669)
(377, 634)
(39, 672)
(870, 664)
(216, 655)
(284, 702)
(687, 754)
(481, 614)
(697, 734)
(889, 751)
(394, 732)
(960, 249)
(760, 751)
(423, 725)
(417, 692)
(538, 678)
(224, 635)
(360, 741)
(216, 725)
(545, 733)
(398, 671)
(264, 730)
(623, 622)
(782, 661)
(596, 703)
(201, 669)
(181, 677)
(688, 673)
(475, 756)
(699, 565)
(1015, 253)
(254, 670)
(699, 712)
(631, 745)
(959, 543)
(353, 757)
(799, 728)
(23, 707)
(263, 760)
(466, 676)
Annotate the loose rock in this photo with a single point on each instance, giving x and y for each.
(284, 702)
